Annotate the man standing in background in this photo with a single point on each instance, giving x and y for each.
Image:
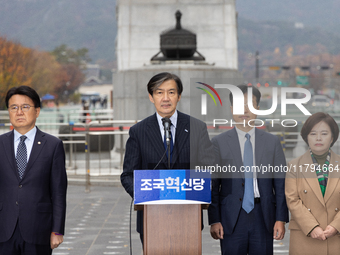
(248, 210)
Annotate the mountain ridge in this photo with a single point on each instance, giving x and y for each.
(46, 24)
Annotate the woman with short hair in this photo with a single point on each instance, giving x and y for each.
(313, 190)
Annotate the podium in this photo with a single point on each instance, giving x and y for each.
(172, 202)
(172, 229)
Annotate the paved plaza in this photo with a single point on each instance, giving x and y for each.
(97, 223)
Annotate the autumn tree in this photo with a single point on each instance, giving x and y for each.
(66, 55)
(14, 60)
(73, 63)
(69, 79)
(45, 72)
(20, 65)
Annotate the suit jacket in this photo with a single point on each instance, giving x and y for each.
(309, 208)
(227, 190)
(38, 200)
(145, 148)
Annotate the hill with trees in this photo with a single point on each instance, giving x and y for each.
(46, 24)
(307, 27)
(323, 15)
(59, 73)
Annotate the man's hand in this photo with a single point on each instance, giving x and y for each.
(216, 231)
(56, 240)
(279, 230)
(318, 233)
(330, 231)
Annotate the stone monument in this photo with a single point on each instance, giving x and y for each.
(195, 39)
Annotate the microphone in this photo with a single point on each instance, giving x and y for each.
(167, 124)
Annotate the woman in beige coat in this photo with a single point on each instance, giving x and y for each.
(313, 190)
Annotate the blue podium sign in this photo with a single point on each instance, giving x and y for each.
(170, 187)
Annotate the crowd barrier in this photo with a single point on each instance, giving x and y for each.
(97, 148)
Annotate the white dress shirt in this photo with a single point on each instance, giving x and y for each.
(173, 119)
(28, 142)
(242, 139)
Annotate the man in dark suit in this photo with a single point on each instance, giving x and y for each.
(248, 209)
(33, 181)
(145, 146)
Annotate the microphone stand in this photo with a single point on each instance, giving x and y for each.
(168, 148)
(167, 125)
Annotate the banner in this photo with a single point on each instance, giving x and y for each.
(170, 187)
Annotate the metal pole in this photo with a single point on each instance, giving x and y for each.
(99, 151)
(257, 66)
(110, 167)
(121, 147)
(169, 155)
(87, 152)
(70, 147)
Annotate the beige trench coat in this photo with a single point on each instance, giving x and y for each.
(309, 208)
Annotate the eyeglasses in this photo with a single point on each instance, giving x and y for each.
(24, 108)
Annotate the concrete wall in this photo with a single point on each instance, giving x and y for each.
(140, 23)
(131, 101)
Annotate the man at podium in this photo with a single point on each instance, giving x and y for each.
(248, 208)
(146, 145)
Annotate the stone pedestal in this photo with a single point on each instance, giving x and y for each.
(140, 23)
(131, 100)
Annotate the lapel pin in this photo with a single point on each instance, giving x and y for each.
(39, 142)
(186, 130)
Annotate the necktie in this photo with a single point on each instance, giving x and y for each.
(171, 145)
(22, 156)
(248, 197)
